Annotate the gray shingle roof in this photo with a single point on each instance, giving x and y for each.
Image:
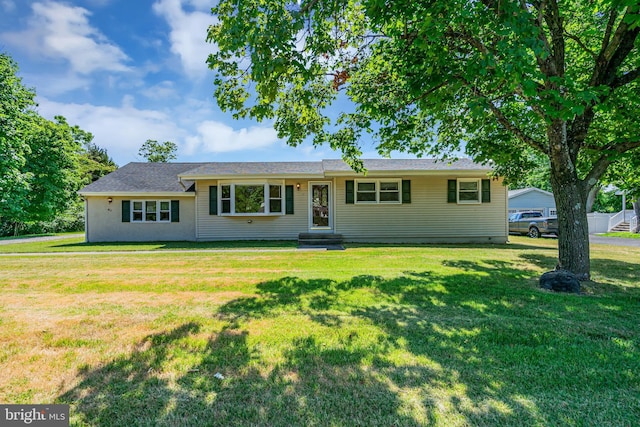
(165, 177)
(143, 178)
(256, 168)
(382, 165)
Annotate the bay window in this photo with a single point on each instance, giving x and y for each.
(251, 198)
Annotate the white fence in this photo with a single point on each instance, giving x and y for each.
(633, 225)
(620, 217)
(599, 222)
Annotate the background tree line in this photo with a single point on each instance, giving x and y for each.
(43, 163)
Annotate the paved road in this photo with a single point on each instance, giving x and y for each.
(617, 241)
(38, 239)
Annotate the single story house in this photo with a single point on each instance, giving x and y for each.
(400, 201)
(532, 199)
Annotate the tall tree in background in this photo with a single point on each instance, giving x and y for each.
(16, 102)
(42, 163)
(94, 160)
(505, 77)
(537, 176)
(154, 151)
(52, 166)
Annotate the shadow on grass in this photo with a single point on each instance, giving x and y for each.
(248, 244)
(477, 347)
(179, 245)
(609, 275)
(488, 246)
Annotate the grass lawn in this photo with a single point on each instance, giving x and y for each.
(625, 234)
(416, 335)
(77, 244)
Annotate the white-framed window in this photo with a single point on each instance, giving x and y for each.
(469, 191)
(275, 198)
(165, 211)
(389, 192)
(150, 211)
(366, 192)
(251, 198)
(378, 191)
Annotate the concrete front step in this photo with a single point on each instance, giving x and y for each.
(319, 239)
(621, 227)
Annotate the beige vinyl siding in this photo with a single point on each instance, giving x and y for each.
(105, 224)
(428, 218)
(252, 227)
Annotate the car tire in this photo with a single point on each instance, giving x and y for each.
(534, 233)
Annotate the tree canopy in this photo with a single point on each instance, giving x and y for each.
(16, 102)
(42, 163)
(498, 79)
(154, 151)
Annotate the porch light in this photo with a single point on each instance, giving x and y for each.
(109, 199)
(298, 186)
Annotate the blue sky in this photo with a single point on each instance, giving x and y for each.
(132, 70)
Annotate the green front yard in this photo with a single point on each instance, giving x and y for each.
(624, 234)
(422, 335)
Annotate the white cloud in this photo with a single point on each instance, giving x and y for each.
(60, 31)
(217, 137)
(163, 90)
(188, 33)
(121, 130)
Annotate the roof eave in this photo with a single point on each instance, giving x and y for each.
(252, 176)
(136, 194)
(459, 172)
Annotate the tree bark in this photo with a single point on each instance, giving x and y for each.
(636, 208)
(570, 194)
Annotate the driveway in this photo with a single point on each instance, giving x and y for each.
(617, 241)
(38, 239)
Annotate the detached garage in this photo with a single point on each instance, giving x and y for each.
(532, 199)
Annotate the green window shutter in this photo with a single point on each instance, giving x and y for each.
(288, 194)
(486, 191)
(126, 211)
(175, 211)
(406, 191)
(349, 190)
(452, 188)
(213, 200)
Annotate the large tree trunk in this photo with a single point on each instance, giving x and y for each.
(571, 196)
(573, 228)
(636, 208)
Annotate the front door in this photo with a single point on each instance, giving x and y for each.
(320, 217)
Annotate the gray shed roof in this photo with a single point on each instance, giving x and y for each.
(179, 177)
(520, 192)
